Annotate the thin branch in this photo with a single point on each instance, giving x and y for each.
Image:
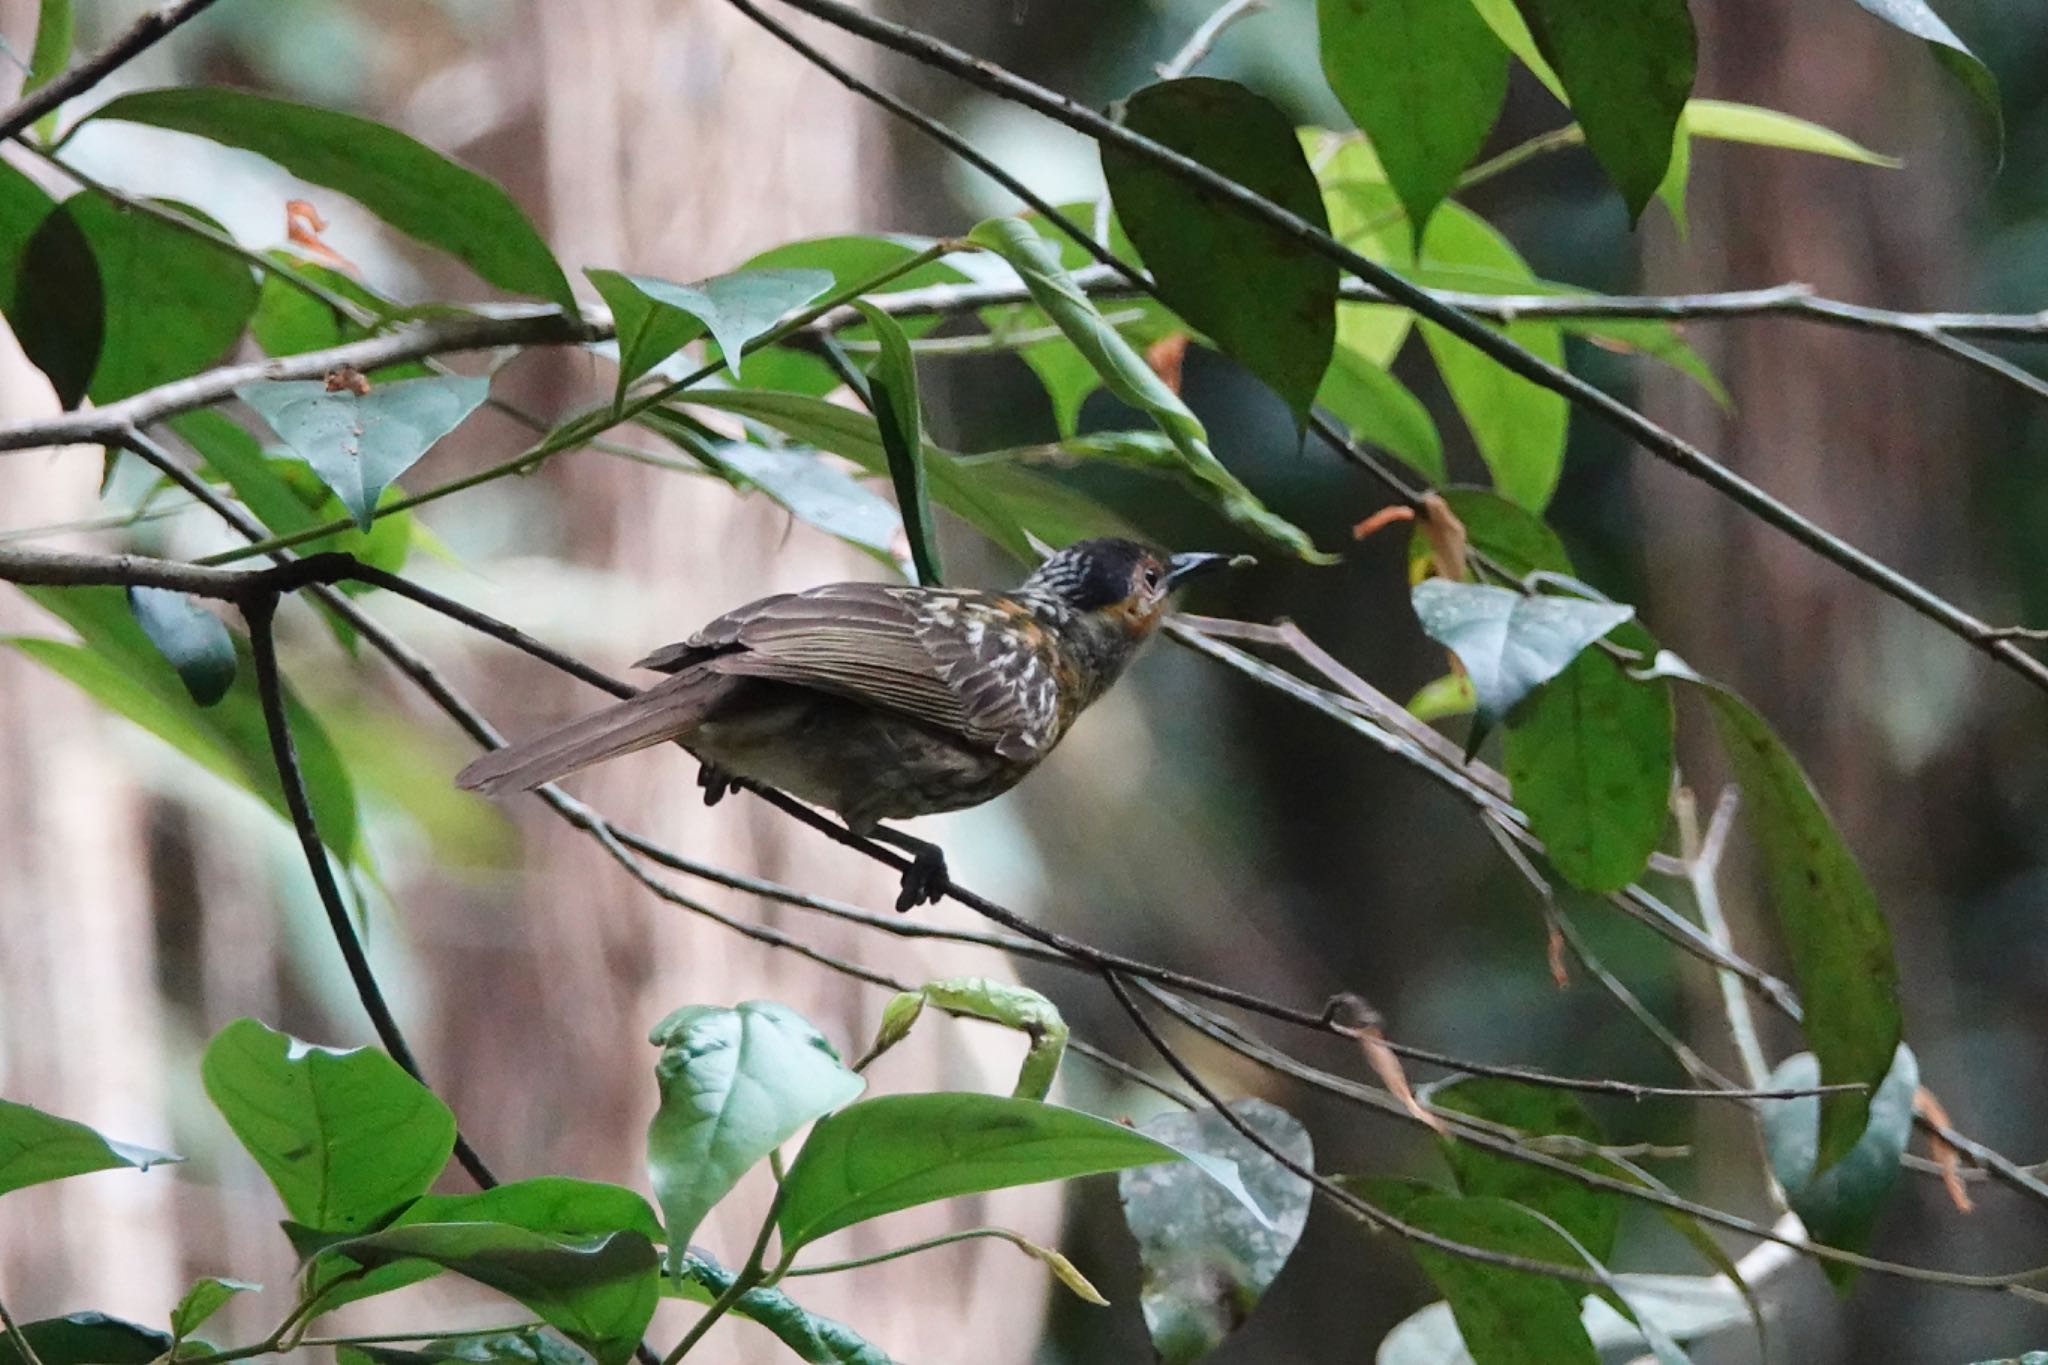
(142, 35)
(14, 1334)
(1703, 853)
(1665, 445)
(1204, 38)
(260, 613)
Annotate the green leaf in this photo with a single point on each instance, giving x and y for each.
(1628, 66)
(817, 1339)
(345, 1136)
(1687, 1307)
(1126, 375)
(1441, 698)
(358, 443)
(1424, 79)
(900, 420)
(202, 1301)
(735, 1085)
(119, 668)
(1014, 1007)
(656, 318)
(600, 1291)
(412, 187)
(166, 304)
(51, 55)
(1514, 537)
(898, 1151)
(503, 1348)
(1916, 18)
(191, 638)
(1374, 406)
(850, 260)
(1840, 947)
(555, 1206)
(1591, 1216)
(35, 1147)
(85, 1339)
(1727, 121)
(1273, 308)
(49, 286)
(1590, 759)
(1506, 22)
(1840, 1205)
(1504, 1316)
(1518, 426)
(1206, 1262)
(1510, 644)
(815, 491)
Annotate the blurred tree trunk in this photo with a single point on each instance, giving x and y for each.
(660, 136)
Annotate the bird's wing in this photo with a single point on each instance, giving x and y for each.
(961, 662)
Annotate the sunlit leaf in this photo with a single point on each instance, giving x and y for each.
(1014, 1007)
(35, 1147)
(656, 318)
(202, 1301)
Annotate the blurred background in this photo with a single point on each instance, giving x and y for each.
(1194, 818)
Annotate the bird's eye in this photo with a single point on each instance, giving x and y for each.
(1153, 577)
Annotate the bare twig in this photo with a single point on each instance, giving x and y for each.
(1204, 38)
(143, 34)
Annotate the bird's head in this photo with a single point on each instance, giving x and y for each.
(1118, 587)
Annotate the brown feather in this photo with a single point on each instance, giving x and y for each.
(666, 711)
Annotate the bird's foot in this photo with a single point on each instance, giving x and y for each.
(715, 781)
(926, 878)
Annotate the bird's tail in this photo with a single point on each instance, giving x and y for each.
(668, 710)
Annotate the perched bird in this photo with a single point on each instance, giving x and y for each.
(879, 701)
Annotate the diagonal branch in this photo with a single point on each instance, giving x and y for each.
(145, 33)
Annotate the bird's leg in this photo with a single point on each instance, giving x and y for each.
(926, 878)
(715, 781)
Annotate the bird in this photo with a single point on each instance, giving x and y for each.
(881, 701)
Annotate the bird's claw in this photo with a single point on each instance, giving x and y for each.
(924, 880)
(716, 782)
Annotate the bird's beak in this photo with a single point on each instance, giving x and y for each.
(1180, 568)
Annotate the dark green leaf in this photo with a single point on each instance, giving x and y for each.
(1590, 758)
(1591, 1216)
(174, 303)
(656, 318)
(1425, 81)
(1378, 408)
(1504, 1316)
(600, 1291)
(410, 186)
(119, 668)
(345, 1136)
(1510, 643)
(191, 639)
(815, 1339)
(202, 1301)
(898, 1151)
(1840, 947)
(1840, 1205)
(85, 1339)
(35, 1147)
(1126, 375)
(735, 1085)
(1512, 536)
(49, 286)
(899, 418)
(1265, 299)
(358, 443)
(1628, 67)
(1916, 18)
(1206, 1260)
(531, 1347)
(1518, 426)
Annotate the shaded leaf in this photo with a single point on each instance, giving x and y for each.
(600, 1291)
(1916, 18)
(816, 1339)
(192, 640)
(49, 286)
(345, 1136)
(735, 1085)
(1206, 1262)
(1840, 946)
(1839, 1205)
(1504, 1316)
(1512, 536)
(202, 1301)
(814, 491)
(1376, 407)
(898, 1151)
(1688, 1307)
(1126, 375)
(899, 418)
(1272, 305)
(1424, 79)
(1591, 1216)
(1628, 67)
(656, 318)
(408, 185)
(85, 1339)
(503, 1348)
(358, 443)
(35, 1147)
(1510, 643)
